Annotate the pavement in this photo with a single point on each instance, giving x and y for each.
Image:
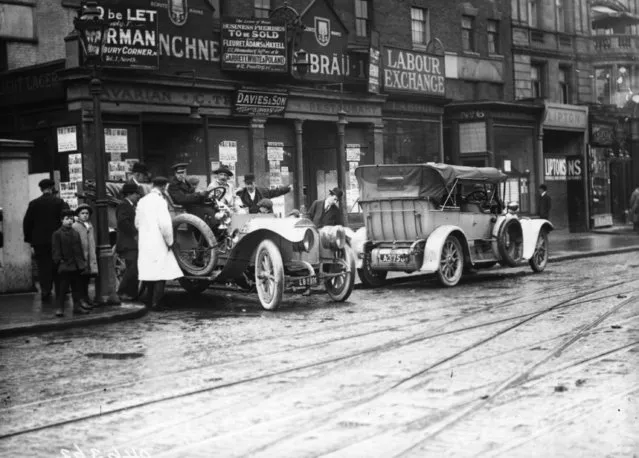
(26, 314)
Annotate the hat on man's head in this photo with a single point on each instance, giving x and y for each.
(179, 166)
(46, 183)
(130, 188)
(139, 167)
(337, 192)
(64, 213)
(83, 207)
(249, 178)
(160, 181)
(224, 169)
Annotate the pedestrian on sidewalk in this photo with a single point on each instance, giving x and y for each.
(156, 261)
(127, 243)
(326, 212)
(634, 208)
(84, 227)
(69, 259)
(544, 202)
(40, 221)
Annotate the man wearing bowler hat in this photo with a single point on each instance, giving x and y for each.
(326, 212)
(41, 220)
(139, 175)
(127, 243)
(251, 194)
(223, 175)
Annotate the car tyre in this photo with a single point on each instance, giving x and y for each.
(193, 286)
(539, 258)
(451, 262)
(269, 275)
(510, 243)
(371, 278)
(340, 288)
(198, 240)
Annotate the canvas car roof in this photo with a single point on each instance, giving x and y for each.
(419, 180)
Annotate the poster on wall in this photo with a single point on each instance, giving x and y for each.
(353, 152)
(118, 170)
(275, 151)
(68, 193)
(67, 139)
(75, 167)
(116, 141)
(228, 151)
(250, 44)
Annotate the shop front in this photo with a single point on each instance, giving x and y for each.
(565, 173)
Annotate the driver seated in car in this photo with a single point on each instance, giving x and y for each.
(223, 174)
(182, 192)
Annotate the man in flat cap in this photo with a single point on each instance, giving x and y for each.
(250, 195)
(127, 243)
(183, 193)
(326, 212)
(40, 222)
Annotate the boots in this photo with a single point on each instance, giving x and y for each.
(154, 295)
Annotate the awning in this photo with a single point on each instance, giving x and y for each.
(612, 19)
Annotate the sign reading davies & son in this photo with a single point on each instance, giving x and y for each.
(253, 45)
(257, 101)
(414, 72)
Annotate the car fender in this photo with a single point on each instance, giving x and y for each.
(531, 228)
(357, 242)
(435, 243)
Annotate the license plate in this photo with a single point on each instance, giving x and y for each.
(309, 281)
(395, 257)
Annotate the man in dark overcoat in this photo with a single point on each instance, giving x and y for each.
(326, 212)
(41, 220)
(250, 195)
(183, 193)
(139, 175)
(544, 202)
(127, 242)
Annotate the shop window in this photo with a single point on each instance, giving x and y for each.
(472, 137)
(407, 142)
(563, 78)
(602, 84)
(362, 18)
(420, 26)
(537, 80)
(262, 8)
(493, 37)
(533, 13)
(468, 31)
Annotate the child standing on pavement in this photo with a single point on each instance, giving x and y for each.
(69, 261)
(84, 227)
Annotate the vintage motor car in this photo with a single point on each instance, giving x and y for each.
(441, 219)
(254, 252)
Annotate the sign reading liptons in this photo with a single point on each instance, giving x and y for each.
(253, 45)
(414, 72)
(257, 101)
(562, 168)
(131, 39)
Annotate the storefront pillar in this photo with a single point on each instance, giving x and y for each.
(378, 143)
(257, 151)
(341, 159)
(539, 166)
(300, 195)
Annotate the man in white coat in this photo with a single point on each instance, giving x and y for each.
(156, 261)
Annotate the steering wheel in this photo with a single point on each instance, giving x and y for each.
(218, 192)
(477, 196)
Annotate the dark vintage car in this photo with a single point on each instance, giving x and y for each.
(441, 219)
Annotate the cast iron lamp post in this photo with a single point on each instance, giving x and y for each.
(91, 31)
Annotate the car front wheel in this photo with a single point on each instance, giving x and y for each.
(269, 275)
(451, 262)
(369, 277)
(540, 256)
(340, 288)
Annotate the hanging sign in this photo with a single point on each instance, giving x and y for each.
(373, 70)
(67, 139)
(255, 45)
(116, 141)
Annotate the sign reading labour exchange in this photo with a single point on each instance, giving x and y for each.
(131, 39)
(325, 39)
(253, 45)
(413, 72)
(258, 101)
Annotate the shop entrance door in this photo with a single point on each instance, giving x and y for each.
(320, 161)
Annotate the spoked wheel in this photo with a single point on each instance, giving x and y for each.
(369, 277)
(340, 288)
(451, 263)
(269, 275)
(194, 245)
(193, 286)
(540, 256)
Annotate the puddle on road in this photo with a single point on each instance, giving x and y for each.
(130, 355)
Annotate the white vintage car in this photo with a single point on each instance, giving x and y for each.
(441, 219)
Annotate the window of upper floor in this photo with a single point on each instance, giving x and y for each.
(420, 26)
(362, 18)
(533, 13)
(563, 80)
(537, 80)
(492, 30)
(468, 33)
(262, 8)
(561, 15)
(602, 84)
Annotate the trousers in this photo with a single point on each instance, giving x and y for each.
(73, 280)
(129, 282)
(154, 293)
(47, 272)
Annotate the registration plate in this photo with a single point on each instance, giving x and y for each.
(395, 257)
(307, 281)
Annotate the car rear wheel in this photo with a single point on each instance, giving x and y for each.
(340, 288)
(539, 258)
(193, 286)
(451, 262)
(269, 275)
(371, 278)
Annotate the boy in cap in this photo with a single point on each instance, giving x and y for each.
(250, 195)
(41, 220)
(84, 227)
(69, 259)
(326, 212)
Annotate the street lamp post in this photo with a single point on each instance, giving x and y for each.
(91, 31)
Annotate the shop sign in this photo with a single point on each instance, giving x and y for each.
(562, 168)
(256, 101)
(37, 85)
(325, 39)
(373, 70)
(67, 139)
(566, 116)
(413, 72)
(253, 45)
(602, 134)
(132, 37)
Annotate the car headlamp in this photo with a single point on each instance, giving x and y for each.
(333, 237)
(308, 240)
